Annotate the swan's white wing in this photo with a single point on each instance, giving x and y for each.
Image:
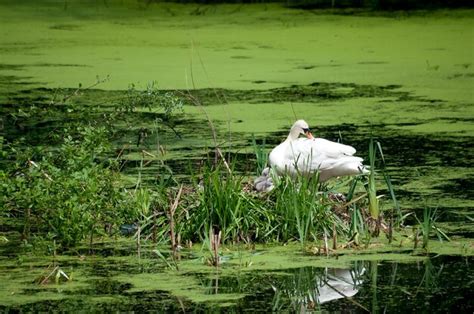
(320, 149)
(332, 159)
(307, 157)
(332, 149)
(310, 155)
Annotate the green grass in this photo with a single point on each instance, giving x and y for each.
(428, 226)
(218, 203)
(305, 212)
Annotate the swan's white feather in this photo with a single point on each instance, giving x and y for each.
(305, 156)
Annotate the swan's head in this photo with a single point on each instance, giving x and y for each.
(300, 127)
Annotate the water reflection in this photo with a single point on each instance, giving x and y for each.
(308, 288)
(442, 284)
(341, 283)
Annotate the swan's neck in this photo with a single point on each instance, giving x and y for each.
(294, 134)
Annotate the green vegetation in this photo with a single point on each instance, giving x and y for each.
(144, 190)
(73, 192)
(428, 225)
(68, 193)
(306, 212)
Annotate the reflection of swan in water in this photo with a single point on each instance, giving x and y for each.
(339, 283)
(310, 287)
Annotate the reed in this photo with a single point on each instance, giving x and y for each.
(303, 210)
(395, 215)
(261, 155)
(428, 226)
(374, 209)
(357, 225)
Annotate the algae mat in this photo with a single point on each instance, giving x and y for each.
(63, 43)
(281, 278)
(404, 78)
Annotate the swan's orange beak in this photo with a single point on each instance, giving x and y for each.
(309, 135)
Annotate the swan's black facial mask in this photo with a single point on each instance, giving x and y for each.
(308, 134)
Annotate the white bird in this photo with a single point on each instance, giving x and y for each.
(309, 155)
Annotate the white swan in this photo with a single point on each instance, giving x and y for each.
(308, 155)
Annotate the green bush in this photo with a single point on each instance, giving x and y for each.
(150, 98)
(68, 193)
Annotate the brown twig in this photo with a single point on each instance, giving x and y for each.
(97, 82)
(47, 176)
(353, 201)
(215, 244)
(139, 231)
(197, 102)
(171, 213)
(45, 280)
(326, 246)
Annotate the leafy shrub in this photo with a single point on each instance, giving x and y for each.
(149, 98)
(68, 193)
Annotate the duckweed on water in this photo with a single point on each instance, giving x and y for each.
(194, 282)
(288, 46)
(403, 79)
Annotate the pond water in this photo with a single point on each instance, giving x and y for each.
(438, 283)
(404, 79)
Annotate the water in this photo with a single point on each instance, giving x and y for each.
(441, 284)
(429, 167)
(405, 80)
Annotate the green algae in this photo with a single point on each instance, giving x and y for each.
(113, 280)
(411, 73)
(288, 46)
(178, 285)
(19, 284)
(406, 81)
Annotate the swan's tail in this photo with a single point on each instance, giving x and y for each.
(345, 166)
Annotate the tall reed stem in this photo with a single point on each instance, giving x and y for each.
(373, 201)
